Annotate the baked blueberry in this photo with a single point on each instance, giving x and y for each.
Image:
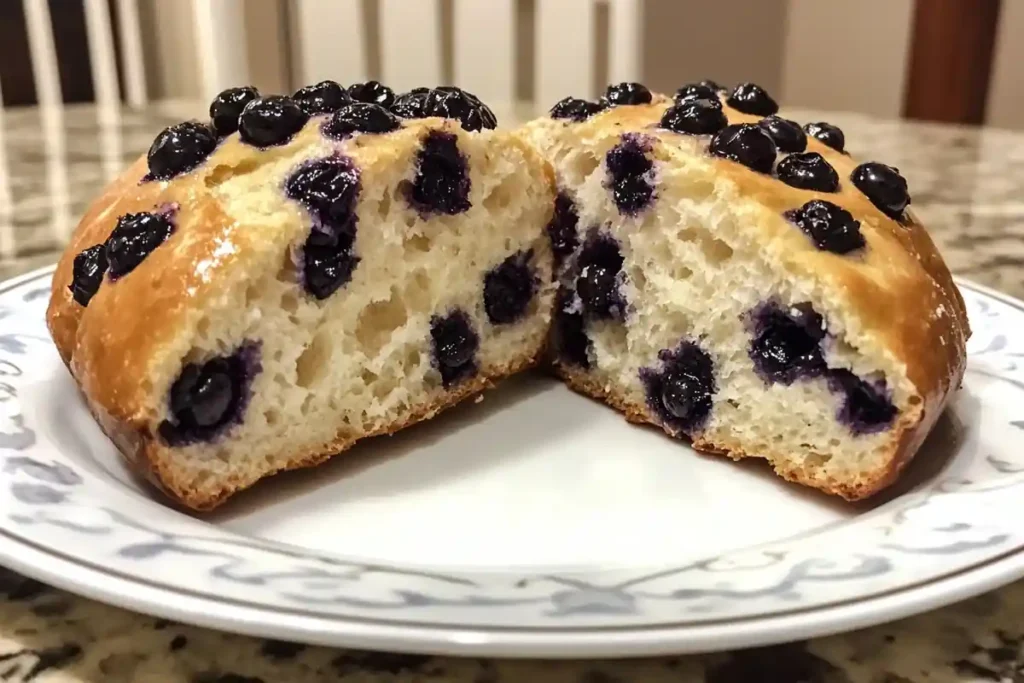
(788, 135)
(454, 346)
(630, 174)
(454, 103)
(372, 92)
(227, 107)
(598, 282)
(808, 171)
(747, 144)
(412, 104)
(827, 134)
(203, 394)
(441, 183)
(321, 98)
(270, 121)
(134, 237)
(179, 149)
(866, 407)
(698, 91)
(329, 189)
(884, 186)
(210, 397)
(694, 117)
(562, 228)
(681, 393)
(360, 117)
(786, 343)
(87, 273)
(509, 287)
(831, 227)
(627, 93)
(575, 109)
(327, 262)
(752, 99)
(571, 344)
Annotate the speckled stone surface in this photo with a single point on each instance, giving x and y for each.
(965, 184)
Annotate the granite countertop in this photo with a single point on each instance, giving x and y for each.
(965, 186)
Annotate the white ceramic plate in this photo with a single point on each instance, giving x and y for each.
(534, 523)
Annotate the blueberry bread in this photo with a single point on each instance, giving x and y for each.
(265, 289)
(741, 281)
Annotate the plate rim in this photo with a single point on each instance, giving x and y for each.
(566, 641)
(589, 642)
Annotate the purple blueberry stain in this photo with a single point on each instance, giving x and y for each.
(680, 393)
(328, 188)
(599, 278)
(631, 174)
(569, 335)
(787, 346)
(441, 183)
(562, 228)
(454, 344)
(787, 342)
(210, 397)
(509, 288)
(866, 407)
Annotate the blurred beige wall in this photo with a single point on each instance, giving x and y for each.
(777, 43)
(1006, 89)
(729, 41)
(824, 54)
(172, 67)
(847, 55)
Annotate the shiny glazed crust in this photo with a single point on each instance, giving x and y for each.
(112, 345)
(899, 289)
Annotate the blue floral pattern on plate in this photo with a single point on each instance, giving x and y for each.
(60, 505)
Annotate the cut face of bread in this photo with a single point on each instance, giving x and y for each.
(762, 303)
(290, 295)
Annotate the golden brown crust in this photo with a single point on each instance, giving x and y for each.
(901, 448)
(900, 288)
(152, 460)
